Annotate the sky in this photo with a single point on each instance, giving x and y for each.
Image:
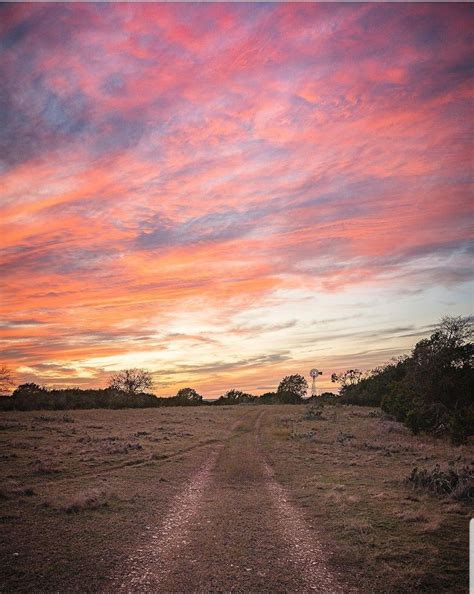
(226, 194)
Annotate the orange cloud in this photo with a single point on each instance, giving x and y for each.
(168, 172)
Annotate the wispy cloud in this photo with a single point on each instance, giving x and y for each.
(184, 180)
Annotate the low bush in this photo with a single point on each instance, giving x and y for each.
(455, 483)
(35, 397)
(84, 500)
(324, 398)
(313, 414)
(427, 416)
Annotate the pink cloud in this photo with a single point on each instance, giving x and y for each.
(160, 160)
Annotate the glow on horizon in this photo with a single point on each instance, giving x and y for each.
(229, 193)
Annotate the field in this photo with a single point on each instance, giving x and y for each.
(268, 498)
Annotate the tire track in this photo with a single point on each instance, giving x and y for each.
(232, 528)
(149, 566)
(165, 458)
(305, 551)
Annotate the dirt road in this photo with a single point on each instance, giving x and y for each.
(232, 528)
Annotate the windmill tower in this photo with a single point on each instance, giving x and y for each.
(314, 374)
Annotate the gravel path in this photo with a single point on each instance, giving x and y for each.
(233, 528)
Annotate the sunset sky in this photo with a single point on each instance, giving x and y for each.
(229, 193)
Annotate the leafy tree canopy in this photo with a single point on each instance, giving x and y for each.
(292, 388)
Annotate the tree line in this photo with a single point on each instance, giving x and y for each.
(429, 389)
(129, 389)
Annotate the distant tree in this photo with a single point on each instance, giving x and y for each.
(430, 389)
(236, 397)
(28, 389)
(6, 380)
(440, 368)
(32, 396)
(324, 398)
(292, 388)
(374, 386)
(447, 348)
(440, 380)
(131, 381)
(267, 398)
(455, 331)
(188, 396)
(351, 377)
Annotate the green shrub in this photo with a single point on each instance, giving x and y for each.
(398, 401)
(423, 416)
(461, 425)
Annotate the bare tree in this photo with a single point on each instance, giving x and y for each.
(6, 380)
(347, 378)
(455, 331)
(131, 381)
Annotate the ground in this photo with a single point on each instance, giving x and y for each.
(242, 498)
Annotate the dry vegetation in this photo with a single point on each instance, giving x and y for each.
(348, 468)
(81, 489)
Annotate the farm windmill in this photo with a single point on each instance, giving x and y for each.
(314, 374)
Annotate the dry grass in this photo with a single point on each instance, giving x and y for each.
(80, 488)
(86, 500)
(233, 467)
(348, 468)
(455, 483)
(76, 496)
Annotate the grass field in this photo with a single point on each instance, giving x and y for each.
(348, 470)
(81, 489)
